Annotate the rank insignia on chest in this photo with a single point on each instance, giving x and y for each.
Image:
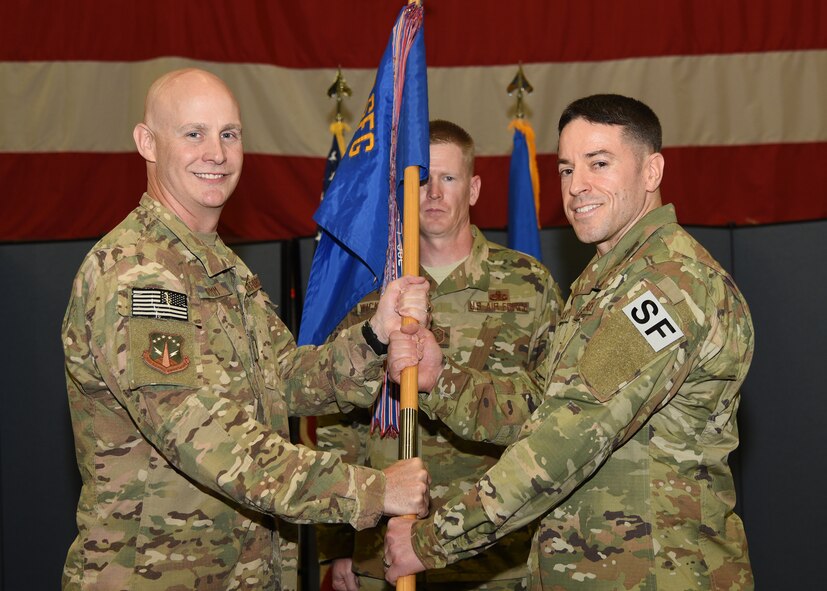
(159, 303)
(442, 335)
(166, 353)
(252, 284)
(587, 309)
(365, 308)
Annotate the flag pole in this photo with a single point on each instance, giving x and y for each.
(408, 397)
(523, 178)
(409, 390)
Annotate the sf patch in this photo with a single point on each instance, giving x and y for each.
(166, 353)
(652, 321)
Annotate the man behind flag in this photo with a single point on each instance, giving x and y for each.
(361, 203)
(492, 309)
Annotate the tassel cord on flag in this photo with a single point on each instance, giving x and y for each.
(388, 409)
(404, 34)
(410, 266)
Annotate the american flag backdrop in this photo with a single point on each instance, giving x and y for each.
(740, 86)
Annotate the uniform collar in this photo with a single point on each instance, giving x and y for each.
(216, 258)
(600, 267)
(472, 273)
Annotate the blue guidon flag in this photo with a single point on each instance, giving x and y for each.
(361, 203)
(360, 246)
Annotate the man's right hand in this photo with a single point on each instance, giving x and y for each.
(342, 576)
(407, 491)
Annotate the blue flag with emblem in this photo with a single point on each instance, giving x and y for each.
(359, 216)
(524, 192)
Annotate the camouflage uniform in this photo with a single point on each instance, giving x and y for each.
(180, 379)
(626, 458)
(493, 313)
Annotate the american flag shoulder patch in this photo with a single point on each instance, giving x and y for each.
(159, 303)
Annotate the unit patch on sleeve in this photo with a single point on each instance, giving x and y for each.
(652, 321)
(165, 353)
(159, 303)
(162, 353)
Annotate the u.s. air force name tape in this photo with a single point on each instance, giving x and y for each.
(652, 321)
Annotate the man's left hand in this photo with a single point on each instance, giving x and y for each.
(400, 559)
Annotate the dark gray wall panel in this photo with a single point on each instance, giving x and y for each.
(40, 480)
(781, 270)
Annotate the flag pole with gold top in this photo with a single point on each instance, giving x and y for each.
(523, 178)
(339, 90)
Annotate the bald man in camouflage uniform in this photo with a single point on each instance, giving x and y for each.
(493, 309)
(181, 376)
(625, 461)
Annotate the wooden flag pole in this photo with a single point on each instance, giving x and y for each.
(409, 386)
(408, 392)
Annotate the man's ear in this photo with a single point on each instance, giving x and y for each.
(476, 184)
(145, 141)
(653, 169)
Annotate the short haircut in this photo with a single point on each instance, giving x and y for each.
(639, 122)
(445, 132)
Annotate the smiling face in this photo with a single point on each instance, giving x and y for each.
(608, 181)
(191, 139)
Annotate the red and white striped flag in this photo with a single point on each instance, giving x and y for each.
(738, 85)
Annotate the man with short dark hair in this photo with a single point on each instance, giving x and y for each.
(625, 462)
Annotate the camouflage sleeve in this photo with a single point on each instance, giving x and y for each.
(334, 377)
(492, 405)
(188, 416)
(594, 400)
(343, 434)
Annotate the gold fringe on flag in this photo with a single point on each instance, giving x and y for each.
(523, 126)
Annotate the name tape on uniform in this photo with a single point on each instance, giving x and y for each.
(652, 321)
